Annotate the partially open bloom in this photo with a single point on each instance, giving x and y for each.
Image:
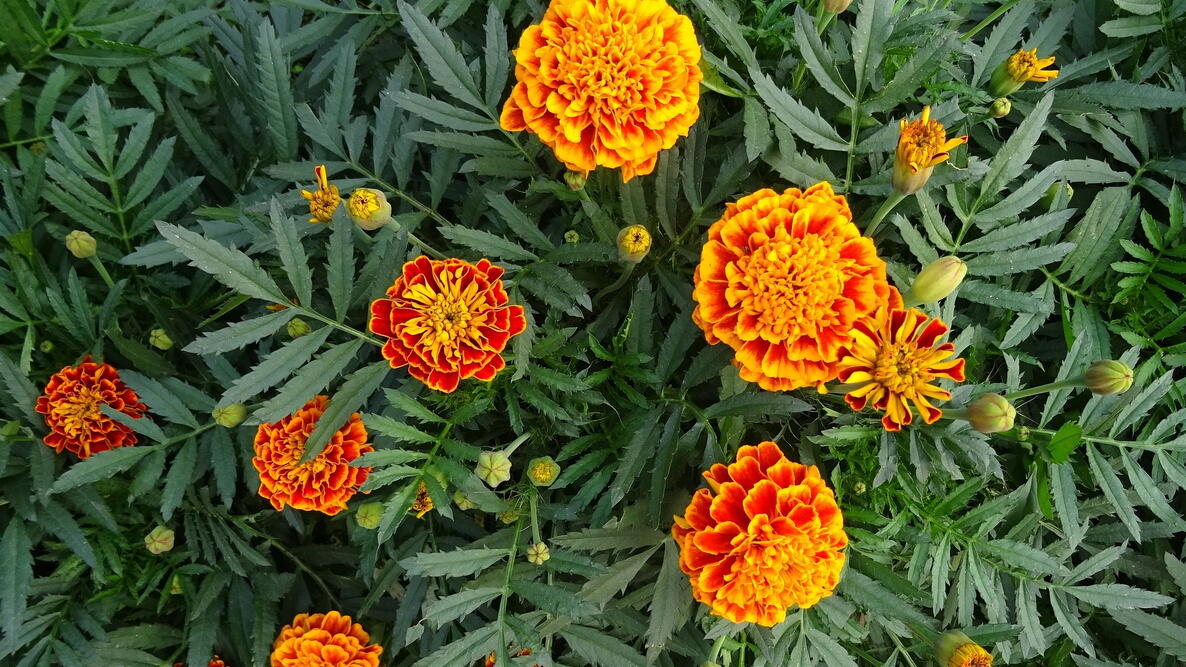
(955, 649)
(634, 242)
(922, 144)
(1108, 377)
(895, 364)
(782, 279)
(606, 83)
(323, 201)
(159, 540)
(494, 468)
(422, 504)
(447, 320)
(767, 535)
(368, 208)
(329, 640)
(324, 484)
(71, 405)
(538, 553)
(1021, 67)
(543, 471)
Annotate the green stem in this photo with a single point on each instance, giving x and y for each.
(717, 646)
(1064, 287)
(1042, 389)
(338, 325)
(852, 145)
(20, 142)
(186, 436)
(506, 588)
(989, 19)
(887, 206)
(98, 264)
(627, 269)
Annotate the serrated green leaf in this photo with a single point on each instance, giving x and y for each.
(351, 396)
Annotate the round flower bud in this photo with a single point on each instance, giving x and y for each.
(368, 515)
(859, 488)
(46, 346)
(991, 413)
(938, 279)
(509, 516)
(159, 540)
(538, 553)
(1108, 377)
(230, 416)
(543, 471)
(297, 328)
(462, 501)
(368, 208)
(575, 180)
(159, 339)
(955, 649)
(572, 236)
(494, 468)
(1000, 107)
(836, 6)
(634, 242)
(81, 244)
(175, 585)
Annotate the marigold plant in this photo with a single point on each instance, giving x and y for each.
(331, 640)
(72, 404)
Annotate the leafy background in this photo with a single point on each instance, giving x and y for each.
(180, 133)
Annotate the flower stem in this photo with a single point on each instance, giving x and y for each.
(989, 19)
(886, 207)
(1042, 389)
(98, 264)
(338, 325)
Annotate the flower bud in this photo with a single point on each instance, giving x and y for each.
(572, 236)
(81, 244)
(368, 208)
(634, 242)
(538, 553)
(175, 585)
(462, 501)
(159, 540)
(859, 488)
(1000, 107)
(1108, 377)
(230, 416)
(159, 339)
(543, 471)
(38, 148)
(991, 413)
(46, 346)
(955, 649)
(1002, 83)
(509, 516)
(836, 6)
(297, 328)
(575, 180)
(938, 279)
(494, 468)
(368, 515)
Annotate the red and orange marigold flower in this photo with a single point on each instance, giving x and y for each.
(606, 83)
(324, 640)
(72, 403)
(782, 279)
(447, 320)
(895, 364)
(766, 536)
(324, 484)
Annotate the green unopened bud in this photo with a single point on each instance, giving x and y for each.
(1108, 377)
(46, 346)
(836, 6)
(937, 280)
(859, 488)
(538, 553)
(634, 242)
(1003, 83)
(368, 515)
(543, 471)
(81, 244)
(159, 540)
(494, 468)
(175, 585)
(230, 416)
(575, 180)
(462, 501)
(368, 208)
(159, 339)
(297, 328)
(991, 413)
(572, 236)
(1000, 107)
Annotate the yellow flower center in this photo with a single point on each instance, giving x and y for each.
(1023, 65)
(920, 141)
(542, 473)
(900, 369)
(970, 655)
(362, 204)
(447, 317)
(80, 411)
(789, 287)
(599, 65)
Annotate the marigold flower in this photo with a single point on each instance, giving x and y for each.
(634, 242)
(782, 279)
(423, 502)
(767, 535)
(324, 201)
(1021, 67)
(606, 83)
(955, 649)
(324, 484)
(922, 144)
(81, 244)
(543, 471)
(447, 320)
(368, 208)
(895, 364)
(71, 405)
(538, 553)
(324, 639)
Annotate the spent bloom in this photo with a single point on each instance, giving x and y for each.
(538, 553)
(159, 540)
(955, 649)
(991, 413)
(922, 144)
(1108, 377)
(606, 83)
(324, 639)
(1020, 68)
(765, 536)
(494, 468)
(368, 208)
(896, 363)
(324, 484)
(323, 201)
(159, 338)
(543, 471)
(81, 244)
(447, 320)
(72, 404)
(634, 242)
(422, 504)
(782, 280)
(368, 515)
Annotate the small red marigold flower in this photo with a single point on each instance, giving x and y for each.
(767, 535)
(324, 484)
(447, 320)
(782, 280)
(324, 639)
(895, 364)
(325, 199)
(71, 405)
(606, 83)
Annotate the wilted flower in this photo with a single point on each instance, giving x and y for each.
(937, 280)
(368, 515)
(324, 639)
(159, 540)
(1021, 67)
(324, 201)
(634, 242)
(72, 403)
(230, 416)
(543, 471)
(509, 516)
(955, 649)
(922, 144)
(368, 208)
(1108, 377)
(1000, 107)
(159, 339)
(991, 413)
(81, 244)
(423, 502)
(538, 553)
(494, 468)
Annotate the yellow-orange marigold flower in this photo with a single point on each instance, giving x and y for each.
(782, 279)
(955, 649)
(1020, 68)
(324, 640)
(922, 144)
(895, 364)
(767, 536)
(447, 320)
(324, 484)
(72, 403)
(324, 201)
(606, 83)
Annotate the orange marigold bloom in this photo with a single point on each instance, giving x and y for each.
(895, 364)
(447, 320)
(71, 405)
(782, 279)
(324, 484)
(606, 83)
(767, 536)
(324, 640)
(922, 144)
